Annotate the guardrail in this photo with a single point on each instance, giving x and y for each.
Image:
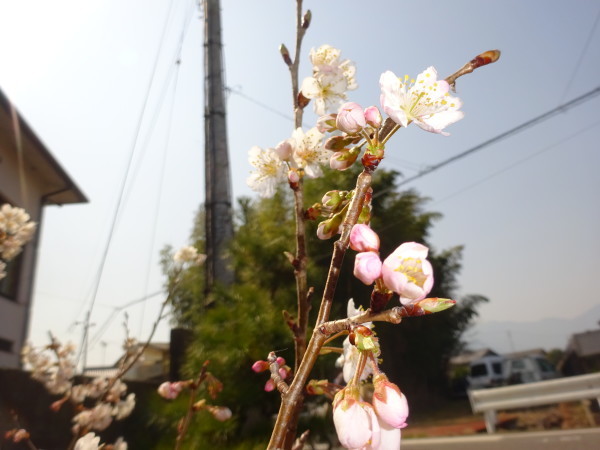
(488, 401)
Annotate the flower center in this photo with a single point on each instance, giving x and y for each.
(413, 270)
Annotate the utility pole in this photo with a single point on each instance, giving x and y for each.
(219, 222)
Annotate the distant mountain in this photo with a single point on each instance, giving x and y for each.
(507, 336)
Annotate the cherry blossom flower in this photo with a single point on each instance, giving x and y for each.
(331, 78)
(408, 273)
(188, 254)
(309, 152)
(425, 101)
(269, 172)
(16, 230)
(88, 442)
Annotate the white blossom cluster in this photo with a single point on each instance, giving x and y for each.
(99, 401)
(16, 229)
(92, 442)
(302, 154)
(332, 77)
(188, 254)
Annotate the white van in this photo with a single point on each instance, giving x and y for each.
(486, 372)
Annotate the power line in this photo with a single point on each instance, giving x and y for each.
(124, 182)
(517, 163)
(580, 60)
(528, 124)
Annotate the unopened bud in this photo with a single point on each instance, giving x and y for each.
(344, 159)
(306, 19)
(221, 413)
(293, 178)
(433, 305)
(373, 116)
(20, 435)
(350, 118)
(489, 57)
(302, 100)
(326, 124)
(260, 366)
(328, 228)
(285, 54)
(338, 143)
(284, 150)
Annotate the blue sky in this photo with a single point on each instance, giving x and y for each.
(525, 208)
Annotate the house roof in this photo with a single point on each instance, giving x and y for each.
(585, 344)
(60, 188)
(467, 357)
(521, 354)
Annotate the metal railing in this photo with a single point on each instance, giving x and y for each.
(548, 392)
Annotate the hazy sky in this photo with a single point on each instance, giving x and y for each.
(526, 208)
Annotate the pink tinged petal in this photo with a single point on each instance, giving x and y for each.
(437, 122)
(373, 116)
(355, 423)
(390, 404)
(350, 118)
(367, 267)
(363, 239)
(390, 437)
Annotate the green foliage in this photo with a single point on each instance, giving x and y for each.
(244, 323)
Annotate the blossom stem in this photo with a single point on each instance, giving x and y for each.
(335, 336)
(190, 410)
(360, 367)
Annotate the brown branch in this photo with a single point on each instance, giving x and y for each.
(281, 385)
(292, 399)
(185, 423)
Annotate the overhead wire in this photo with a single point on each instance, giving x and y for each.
(518, 162)
(159, 197)
(581, 56)
(96, 284)
(523, 126)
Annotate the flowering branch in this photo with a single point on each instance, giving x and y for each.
(280, 384)
(185, 422)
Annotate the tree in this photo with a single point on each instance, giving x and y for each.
(245, 322)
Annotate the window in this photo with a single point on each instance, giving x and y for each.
(544, 365)
(6, 345)
(478, 370)
(497, 368)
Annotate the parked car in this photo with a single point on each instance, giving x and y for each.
(486, 372)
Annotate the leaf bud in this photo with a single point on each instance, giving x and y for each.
(285, 54)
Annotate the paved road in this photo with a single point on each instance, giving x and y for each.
(583, 439)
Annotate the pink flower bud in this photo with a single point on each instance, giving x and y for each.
(326, 123)
(293, 177)
(373, 116)
(350, 118)
(367, 267)
(280, 361)
(170, 390)
(221, 413)
(390, 404)
(284, 150)
(408, 273)
(355, 422)
(364, 239)
(260, 366)
(269, 385)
